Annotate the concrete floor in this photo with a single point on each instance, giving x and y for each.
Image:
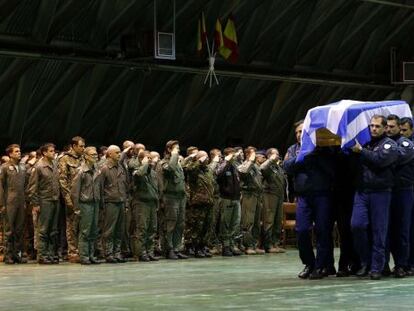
(245, 283)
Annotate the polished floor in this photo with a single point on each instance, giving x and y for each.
(266, 282)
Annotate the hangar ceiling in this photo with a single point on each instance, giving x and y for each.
(63, 72)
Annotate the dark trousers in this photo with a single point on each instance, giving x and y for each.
(250, 208)
(398, 242)
(145, 219)
(48, 229)
(88, 229)
(112, 230)
(315, 209)
(229, 221)
(14, 229)
(174, 222)
(343, 202)
(271, 219)
(369, 226)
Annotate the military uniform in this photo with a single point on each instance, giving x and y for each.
(145, 201)
(12, 199)
(173, 202)
(115, 185)
(274, 188)
(68, 165)
(213, 240)
(43, 191)
(372, 203)
(86, 195)
(229, 185)
(201, 183)
(251, 202)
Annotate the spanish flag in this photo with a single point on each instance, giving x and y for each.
(201, 35)
(218, 37)
(230, 50)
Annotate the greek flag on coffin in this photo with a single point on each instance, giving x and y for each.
(347, 119)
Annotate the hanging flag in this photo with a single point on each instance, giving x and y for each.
(201, 35)
(230, 50)
(218, 37)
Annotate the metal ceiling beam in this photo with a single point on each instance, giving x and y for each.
(294, 78)
(403, 29)
(393, 4)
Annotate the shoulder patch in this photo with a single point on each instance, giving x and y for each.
(387, 146)
(405, 143)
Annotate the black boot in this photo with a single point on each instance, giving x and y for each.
(304, 274)
(172, 255)
(316, 274)
(399, 273)
(375, 276)
(362, 272)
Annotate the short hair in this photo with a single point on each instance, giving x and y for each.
(213, 152)
(405, 120)
(393, 117)
(143, 154)
(45, 147)
(10, 148)
(249, 150)
(102, 150)
(229, 150)
(270, 150)
(383, 119)
(191, 149)
(170, 144)
(75, 140)
(297, 123)
(89, 149)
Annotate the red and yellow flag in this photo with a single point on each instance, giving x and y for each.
(218, 36)
(201, 34)
(230, 50)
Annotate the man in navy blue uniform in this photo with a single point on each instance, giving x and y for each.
(372, 200)
(402, 199)
(293, 151)
(406, 130)
(313, 181)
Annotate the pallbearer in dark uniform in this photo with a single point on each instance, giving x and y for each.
(370, 215)
(12, 204)
(44, 197)
(402, 199)
(313, 180)
(86, 197)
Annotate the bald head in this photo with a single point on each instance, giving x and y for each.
(113, 153)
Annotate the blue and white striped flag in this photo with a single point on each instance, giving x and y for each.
(348, 119)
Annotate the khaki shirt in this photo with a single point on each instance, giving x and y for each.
(43, 183)
(86, 186)
(115, 182)
(68, 165)
(12, 184)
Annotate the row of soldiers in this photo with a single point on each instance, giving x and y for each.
(131, 203)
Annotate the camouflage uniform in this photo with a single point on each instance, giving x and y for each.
(202, 186)
(68, 165)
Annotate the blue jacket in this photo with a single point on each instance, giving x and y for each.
(314, 174)
(376, 164)
(404, 168)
